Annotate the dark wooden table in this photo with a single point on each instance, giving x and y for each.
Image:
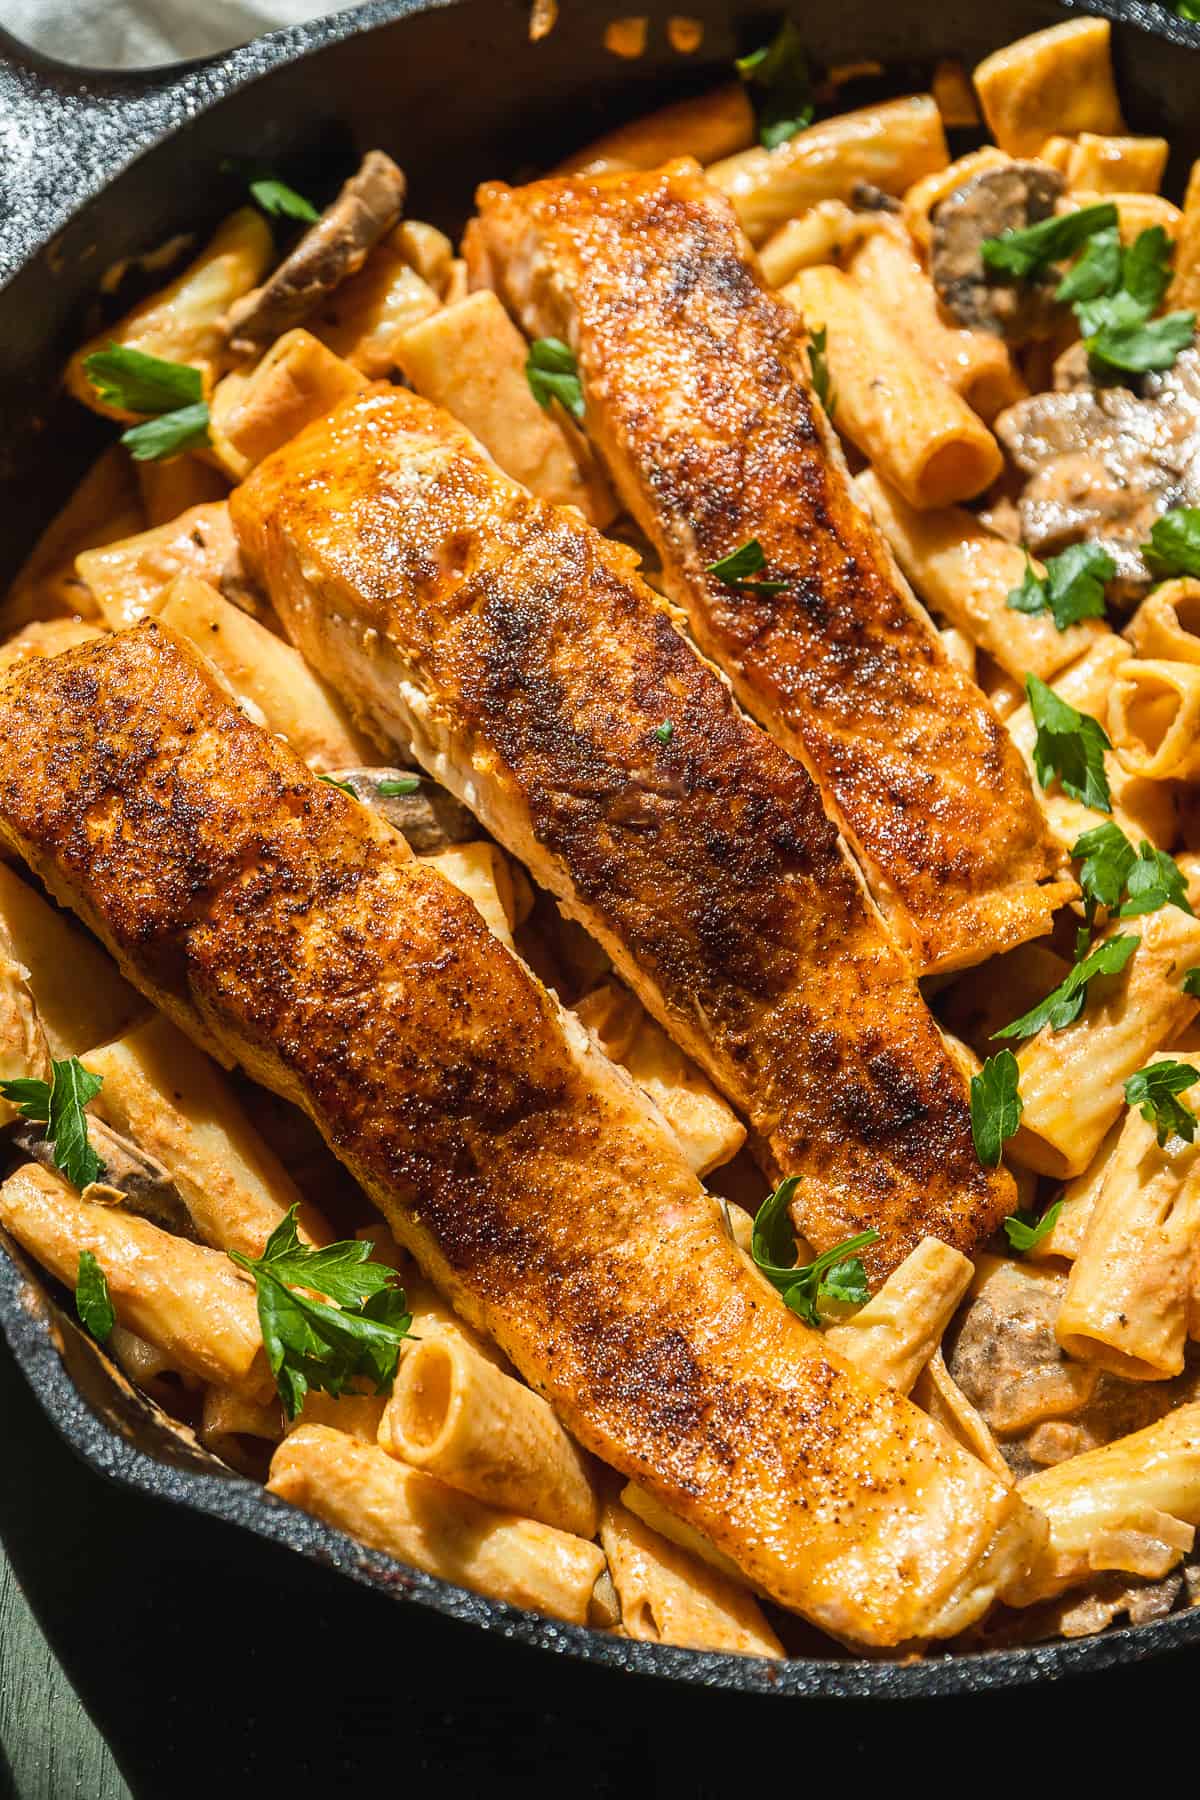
(217, 1665)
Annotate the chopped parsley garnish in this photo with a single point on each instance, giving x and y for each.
(778, 75)
(553, 374)
(92, 1300)
(1072, 587)
(836, 1274)
(311, 1344)
(1023, 254)
(1025, 1231)
(344, 787)
(996, 1106)
(1111, 868)
(664, 732)
(1174, 547)
(1070, 745)
(1191, 983)
(59, 1104)
(403, 784)
(276, 198)
(172, 392)
(819, 365)
(1155, 1091)
(739, 568)
(1097, 271)
(1065, 1003)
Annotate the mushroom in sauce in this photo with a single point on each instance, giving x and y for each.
(1008, 197)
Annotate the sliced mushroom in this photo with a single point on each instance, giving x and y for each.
(338, 245)
(1105, 462)
(1007, 197)
(131, 1176)
(430, 818)
(866, 197)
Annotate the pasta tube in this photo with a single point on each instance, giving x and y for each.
(919, 434)
(976, 364)
(1065, 1237)
(1116, 165)
(669, 1597)
(471, 358)
(358, 1415)
(921, 198)
(1184, 290)
(128, 577)
(455, 1415)
(888, 146)
(1072, 1081)
(1142, 808)
(660, 1519)
(965, 573)
(707, 1129)
(1058, 80)
(411, 1516)
(187, 1300)
(1137, 213)
(893, 1336)
(254, 411)
(237, 1430)
(185, 321)
(23, 1047)
(364, 321)
(81, 998)
(427, 250)
(152, 1372)
(1166, 626)
(1130, 1505)
(825, 233)
(1154, 719)
(263, 668)
(938, 1394)
(712, 125)
(1128, 1294)
(171, 1099)
(105, 506)
(959, 648)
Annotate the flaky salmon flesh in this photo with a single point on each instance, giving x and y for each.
(698, 399)
(521, 657)
(287, 927)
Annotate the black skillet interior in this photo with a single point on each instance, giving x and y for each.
(456, 92)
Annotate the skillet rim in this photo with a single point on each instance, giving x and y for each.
(37, 1330)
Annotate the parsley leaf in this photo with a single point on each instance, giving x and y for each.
(172, 392)
(1174, 547)
(313, 1345)
(403, 784)
(664, 732)
(139, 383)
(1070, 745)
(779, 74)
(819, 365)
(1025, 1232)
(1028, 252)
(1108, 856)
(1146, 267)
(996, 1106)
(1191, 982)
(92, 1301)
(1136, 344)
(1072, 587)
(168, 435)
(58, 1104)
(1154, 1090)
(1155, 880)
(276, 198)
(344, 787)
(740, 565)
(837, 1274)
(1065, 1003)
(1097, 271)
(553, 374)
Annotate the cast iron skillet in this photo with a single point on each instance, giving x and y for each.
(98, 169)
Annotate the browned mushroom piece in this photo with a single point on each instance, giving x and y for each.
(335, 247)
(131, 1177)
(1008, 197)
(430, 818)
(1104, 462)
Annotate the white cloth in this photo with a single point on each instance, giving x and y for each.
(148, 34)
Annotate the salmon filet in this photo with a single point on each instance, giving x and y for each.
(288, 927)
(531, 670)
(698, 400)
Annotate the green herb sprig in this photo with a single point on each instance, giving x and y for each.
(553, 374)
(1072, 587)
(93, 1302)
(837, 1274)
(282, 201)
(1174, 547)
(59, 1105)
(1066, 1002)
(996, 1106)
(779, 78)
(172, 392)
(1069, 745)
(741, 566)
(1155, 1091)
(1025, 1231)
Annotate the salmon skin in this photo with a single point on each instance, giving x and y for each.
(521, 657)
(288, 927)
(698, 399)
